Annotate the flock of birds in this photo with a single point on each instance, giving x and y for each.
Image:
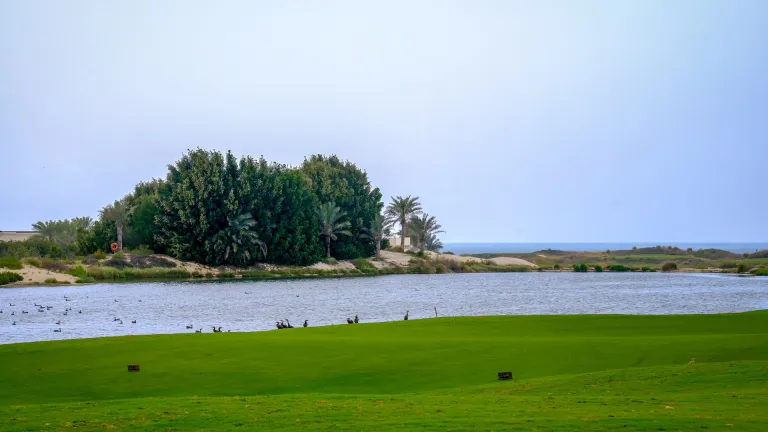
(281, 324)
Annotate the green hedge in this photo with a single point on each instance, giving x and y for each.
(10, 277)
(11, 263)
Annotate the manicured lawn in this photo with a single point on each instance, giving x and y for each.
(571, 373)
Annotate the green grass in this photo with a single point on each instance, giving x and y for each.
(571, 373)
(11, 263)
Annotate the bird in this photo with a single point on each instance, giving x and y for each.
(189, 326)
(289, 323)
(349, 321)
(67, 299)
(406, 316)
(219, 331)
(1, 311)
(11, 304)
(282, 325)
(133, 322)
(121, 321)
(115, 300)
(199, 331)
(356, 319)
(306, 323)
(24, 312)
(80, 311)
(65, 296)
(116, 319)
(57, 331)
(13, 313)
(65, 313)
(58, 322)
(278, 325)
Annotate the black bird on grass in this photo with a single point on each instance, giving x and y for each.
(306, 323)
(356, 319)
(349, 321)
(278, 325)
(289, 323)
(406, 316)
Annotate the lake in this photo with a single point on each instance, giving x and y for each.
(167, 307)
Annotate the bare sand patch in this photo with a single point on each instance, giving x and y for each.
(35, 276)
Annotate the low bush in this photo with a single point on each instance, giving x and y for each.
(556, 267)
(100, 254)
(148, 261)
(118, 262)
(10, 277)
(142, 250)
(209, 275)
(86, 279)
(448, 253)
(741, 268)
(118, 256)
(396, 249)
(11, 263)
(197, 275)
(762, 271)
(53, 265)
(111, 273)
(580, 268)
(598, 268)
(364, 265)
(330, 261)
(227, 275)
(645, 269)
(77, 271)
(669, 266)
(34, 262)
(619, 268)
(51, 281)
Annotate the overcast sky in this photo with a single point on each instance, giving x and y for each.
(512, 120)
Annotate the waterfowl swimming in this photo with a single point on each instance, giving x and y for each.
(116, 319)
(349, 321)
(57, 331)
(121, 321)
(305, 323)
(356, 319)
(24, 312)
(80, 311)
(14, 323)
(133, 322)
(406, 316)
(11, 304)
(58, 322)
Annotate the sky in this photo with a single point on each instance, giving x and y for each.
(513, 121)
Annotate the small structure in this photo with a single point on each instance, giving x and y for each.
(16, 235)
(394, 241)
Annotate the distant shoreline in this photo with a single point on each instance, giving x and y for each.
(461, 248)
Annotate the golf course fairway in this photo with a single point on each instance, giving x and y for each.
(571, 373)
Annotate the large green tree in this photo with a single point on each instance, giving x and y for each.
(237, 240)
(346, 185)
(332, 225)
(197, 204)
(401, 209)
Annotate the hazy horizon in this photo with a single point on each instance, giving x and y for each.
(515, 122)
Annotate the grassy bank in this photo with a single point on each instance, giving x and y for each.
(571, 373)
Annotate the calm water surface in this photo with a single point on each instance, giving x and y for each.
(167, 307)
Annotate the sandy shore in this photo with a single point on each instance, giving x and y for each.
(36, 276)
(402, 259)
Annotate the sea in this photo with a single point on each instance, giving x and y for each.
(477, 248)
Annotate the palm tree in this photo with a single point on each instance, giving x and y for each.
(48, 230)
(401, 209)
(84, 222)
(331, 225)
(380, 228)
(433, 243)
(237, 238)
(422, 227)
(117, 213)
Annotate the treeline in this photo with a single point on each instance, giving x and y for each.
(215, 209)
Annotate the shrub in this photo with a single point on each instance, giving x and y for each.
(105, 273)
(364, 265)
(51, 281)
(330, 261)
(396, 249)
(741, 268)
(448, 253)
(142, 250)
(53, 265)
(762, 271)
(209, 275)
(556, 267)
(86, 279)
(581, 268)
(645, 269)
(10, 277)
(619, 268)
(77, 271)
(669, 266)
(598, 268)
(197, 275)
(227, 275)
(11, 263)
(441, 268)
(100, 254)
(118, 256)
(34, 262)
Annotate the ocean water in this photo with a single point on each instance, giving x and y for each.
(475, 248)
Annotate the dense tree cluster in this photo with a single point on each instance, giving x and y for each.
(216, 209)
